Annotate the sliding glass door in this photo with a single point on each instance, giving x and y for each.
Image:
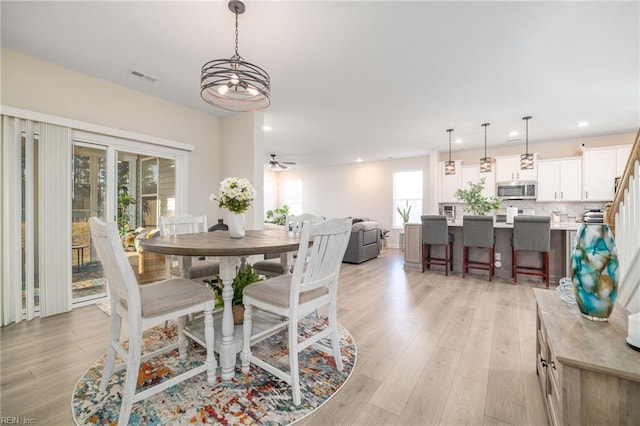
(88, 199)
(144, 189)
(54, 178)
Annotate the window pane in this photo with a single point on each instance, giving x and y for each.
(88, 199)
(408, 184)
(407, 196)
(149, 176)
(293, 195)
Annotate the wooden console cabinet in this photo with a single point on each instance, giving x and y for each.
(587, 373)
(413, 246)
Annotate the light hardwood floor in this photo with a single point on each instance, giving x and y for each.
(431, 350)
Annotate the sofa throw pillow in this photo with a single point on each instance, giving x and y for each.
(365, 225)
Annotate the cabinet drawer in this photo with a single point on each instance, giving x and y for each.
(554, 367)
(554, 385)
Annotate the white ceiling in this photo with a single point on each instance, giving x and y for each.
(366, 79)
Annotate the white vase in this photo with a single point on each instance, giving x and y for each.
(236, 225)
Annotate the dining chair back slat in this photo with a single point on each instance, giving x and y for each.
(184, 224)
(188, 224)
(121, 279)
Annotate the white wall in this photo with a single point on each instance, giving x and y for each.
(39, 86)
(357, 190)
(243, 154)
(270, 191)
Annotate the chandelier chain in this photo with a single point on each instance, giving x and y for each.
(237, 55)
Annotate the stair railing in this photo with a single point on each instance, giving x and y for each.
(623, 217)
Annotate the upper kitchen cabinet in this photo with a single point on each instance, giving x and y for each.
(449, 183)
(560, 180)
(600, 168)
(622, 154)
(472, 174)
(508, 168)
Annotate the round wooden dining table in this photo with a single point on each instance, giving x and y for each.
(228, 249)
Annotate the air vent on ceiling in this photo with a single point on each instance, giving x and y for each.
(144, 76)
(514, 140)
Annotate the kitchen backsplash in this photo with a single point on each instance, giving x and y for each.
(572, 209)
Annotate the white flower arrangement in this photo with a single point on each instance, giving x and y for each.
(235, 195)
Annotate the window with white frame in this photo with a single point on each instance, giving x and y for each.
(407, 196)
(292, 195)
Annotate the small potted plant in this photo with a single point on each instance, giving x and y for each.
(474, 202)
(244, 277)
(404, 213)
(383, 238)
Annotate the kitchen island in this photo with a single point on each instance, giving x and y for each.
(562, 235)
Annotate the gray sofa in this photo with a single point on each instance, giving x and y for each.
(363, 242)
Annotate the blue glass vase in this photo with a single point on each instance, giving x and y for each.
(594, 270)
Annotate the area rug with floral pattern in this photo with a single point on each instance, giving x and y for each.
(257, 397)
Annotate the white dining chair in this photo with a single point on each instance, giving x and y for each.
(272, 265)
(188, 224)
(313, 284)
(143, 307)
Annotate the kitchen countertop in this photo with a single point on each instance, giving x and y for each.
(559, 226)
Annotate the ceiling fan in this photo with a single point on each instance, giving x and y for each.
(273, 163)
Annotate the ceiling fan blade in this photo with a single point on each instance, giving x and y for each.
(287, 162)
(282, 166)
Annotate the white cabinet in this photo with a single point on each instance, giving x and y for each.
(560, 180)
(449, 183)
(472, 174)
(508, 168)
(600, 168)
(622, 154)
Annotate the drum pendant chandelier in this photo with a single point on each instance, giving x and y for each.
(233, 84)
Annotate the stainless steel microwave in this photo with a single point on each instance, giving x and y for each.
(517, 190)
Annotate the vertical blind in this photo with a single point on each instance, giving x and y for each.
(34, 220)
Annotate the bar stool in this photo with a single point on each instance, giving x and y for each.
(531, 233)
(435, 231)
(477, 232)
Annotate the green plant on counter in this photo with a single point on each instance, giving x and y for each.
(278, 216)
(243, 278)
(474, 202)
(404, 213)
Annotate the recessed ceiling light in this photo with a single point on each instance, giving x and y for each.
(458, 141)
(582, 124)
(358, 160)
(512, 134)
(266, 128)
